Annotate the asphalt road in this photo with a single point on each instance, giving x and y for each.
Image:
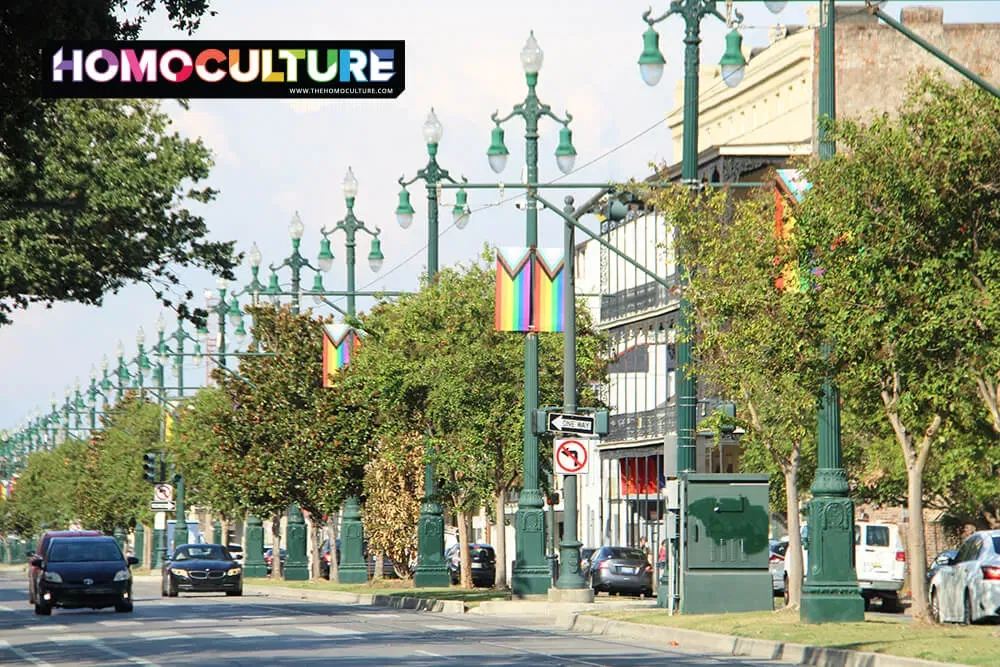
(259, 630)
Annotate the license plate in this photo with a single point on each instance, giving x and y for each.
(477, 566)
(98, 591)
(627, 570)
(877, 566)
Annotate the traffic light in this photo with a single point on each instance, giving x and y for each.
(149, 467)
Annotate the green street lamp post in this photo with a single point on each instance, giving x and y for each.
(353, 568)
(531, 575)
(432, 571)
(651, 63)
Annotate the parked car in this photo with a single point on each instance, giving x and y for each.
(967, 588)
(776, 564)
(269, 556)
(236, 551)
(34, 571)
(621, 570)
(201, 568)
(585, 555)
(482, 565)
(879, 560)
(946, 557)
(83, 572)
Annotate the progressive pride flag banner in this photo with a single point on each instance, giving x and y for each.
(340, 342)
(529, 289)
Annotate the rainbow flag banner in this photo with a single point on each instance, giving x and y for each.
(529, 288)
(340, 342)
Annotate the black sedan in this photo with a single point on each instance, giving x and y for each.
(621, 570)
(83, 572)
(482, 565)
(202, 568)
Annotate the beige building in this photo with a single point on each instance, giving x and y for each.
(743, 132)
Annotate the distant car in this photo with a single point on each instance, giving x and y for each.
(269, 557)
(585, 555)
(966, 589)
(621, 570)
(83, 572)
(236, 551)
(776, 564)
(482, 563)
(201, 568)
(946, 557)
(43, 544)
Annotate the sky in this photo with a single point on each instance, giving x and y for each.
(276, 157)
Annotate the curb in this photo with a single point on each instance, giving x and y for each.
(369, 599)
(764, 649)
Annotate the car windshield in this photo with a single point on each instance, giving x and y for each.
(82, 551)
(202, 552)
(996, 544)
(626, 554)
(480, 554)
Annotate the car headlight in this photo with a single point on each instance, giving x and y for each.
(52, 577)
(179, 572)
(234, 572)
(121, 575)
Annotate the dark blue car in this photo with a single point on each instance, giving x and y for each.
(83, 572)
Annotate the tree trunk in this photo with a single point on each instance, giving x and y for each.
(276, 572)
(331, 534)
(500, 540)
(379, 567)
(915, 546)
(147, 546)
(463, 541)
(224, 520)
(793, 555)
(989, 392)
(315, 548)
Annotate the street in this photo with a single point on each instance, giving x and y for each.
(210, 629)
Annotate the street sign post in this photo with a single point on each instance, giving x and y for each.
(571, 456)
(163, 493)
(562, 423)
(163, 506)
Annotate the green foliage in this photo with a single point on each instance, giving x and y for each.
(290, 439)
(112, 492)
(46, 493)
(103, 203)
(393, 485)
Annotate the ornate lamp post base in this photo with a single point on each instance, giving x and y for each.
(532, 574)
(140, 543)
(432, 571)
(831, 593)
(353, 569)
(296, 568)
(253, 564)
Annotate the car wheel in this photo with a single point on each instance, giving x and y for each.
(935, 607)
(786, 594)
(171, 589)
(124, 607)
(868, 603)
(43, 609)
(967, 615)
(236, 593)
(891, 605)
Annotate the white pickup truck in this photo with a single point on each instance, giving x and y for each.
(879, 560)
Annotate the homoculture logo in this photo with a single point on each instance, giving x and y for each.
(237, 69)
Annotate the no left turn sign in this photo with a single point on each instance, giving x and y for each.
(571, 456)
(163, 492)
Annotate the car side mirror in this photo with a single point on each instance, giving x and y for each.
(132, 560)
(36, 561)
(29, 553)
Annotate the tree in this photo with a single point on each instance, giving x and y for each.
(101, 204)
(755, 342)
(393, 487)
(433, 363)
(47, 489)
(112, 492)
(891, 229)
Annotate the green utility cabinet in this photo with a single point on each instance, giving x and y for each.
(724, 557)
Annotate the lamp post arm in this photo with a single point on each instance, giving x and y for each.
(933, 50)
(568, 218)
(675, 8)
(517, 111)
(545, 110)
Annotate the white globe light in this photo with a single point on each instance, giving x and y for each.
(651, 73)
(255, 257)
(350, 185)
(432, 128)
(375, 263)
(775, 6)
(404, 219)
(565, 163)
(497, 163)
(733, 74)
(531, 55)
(295, 227)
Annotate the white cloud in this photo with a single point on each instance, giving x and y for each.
(210, 128)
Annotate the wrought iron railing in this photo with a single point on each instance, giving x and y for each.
(636, 300)
(642, 425)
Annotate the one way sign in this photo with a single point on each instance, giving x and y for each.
(563, 423)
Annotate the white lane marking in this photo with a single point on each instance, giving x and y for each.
(246, 632)
(428, 653)
(124, 656)
(378, 615)
(329, 630)
(159, 634)
(120, 624)
(45, 626)
(66, 639)
(547, 655)
(23, 655)
(449, 628)
(6, 608)
(192, 621)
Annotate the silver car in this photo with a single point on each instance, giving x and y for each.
(967, 588)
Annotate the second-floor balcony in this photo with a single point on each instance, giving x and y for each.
(634, 300)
